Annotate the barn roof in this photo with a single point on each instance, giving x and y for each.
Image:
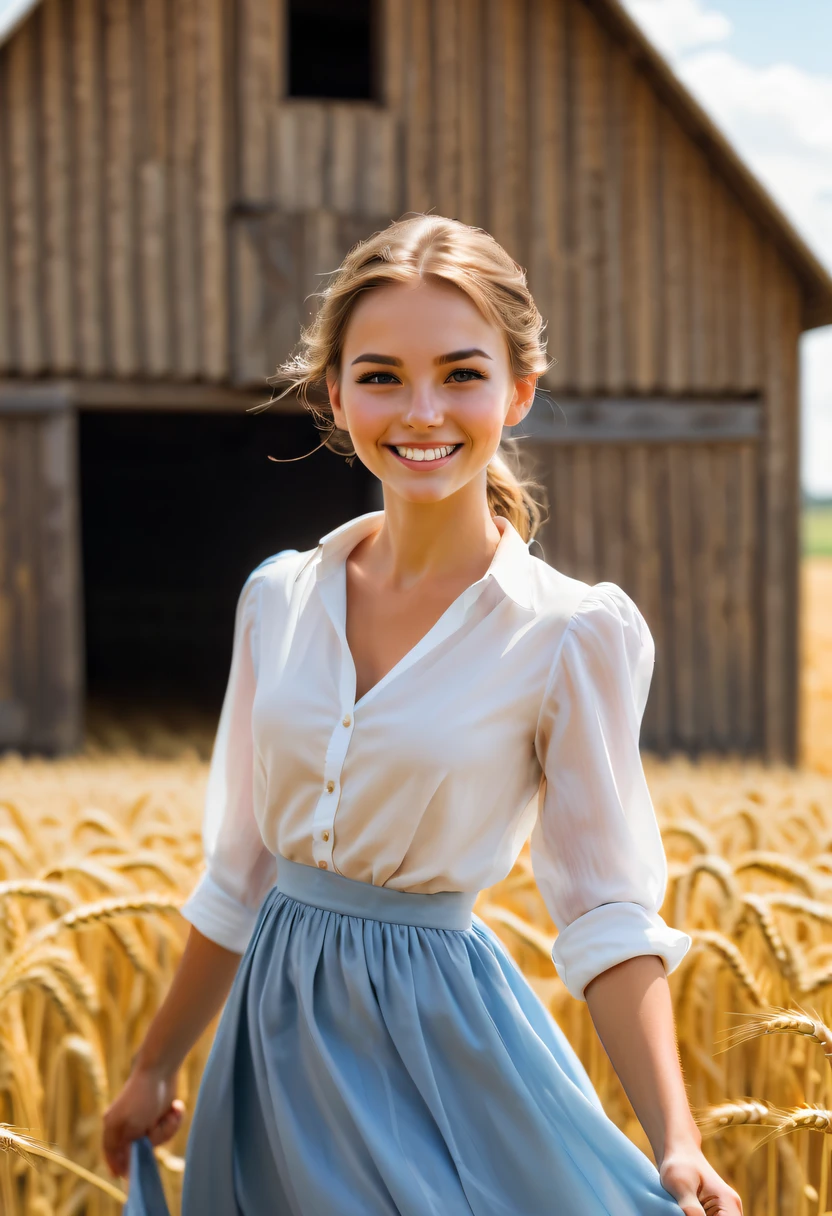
(816, 279)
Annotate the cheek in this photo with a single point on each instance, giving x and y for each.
(366, 418)
(482, 417)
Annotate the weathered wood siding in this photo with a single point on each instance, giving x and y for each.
(165, 213)
(41, 642)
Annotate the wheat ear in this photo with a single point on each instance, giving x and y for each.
(12, 1141)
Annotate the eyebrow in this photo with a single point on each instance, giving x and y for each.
(392, 361)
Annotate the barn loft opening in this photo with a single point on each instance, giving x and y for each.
(330, 49)
(176, 510)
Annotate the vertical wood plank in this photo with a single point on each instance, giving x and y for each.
(377, 194)
(609, 478)
(25, 200)
(717, 523)
(343, 159)
(445, 20)
(779, 526)
(212, 185)
(720, 303)
(676, 269)
(57, 240)
(639, 198)
(583, 508)
(183, 71)
(154, 197)
(472, 73)
(119, 202)
(392, 16)
(679, 558)
(546, 137)
(749, 320)
(704, 505)
(587, 195)
(615, 286)
(57, 562)
(88, 184)
(747, 635)
(701, 346)
(659, 535)
(259, 81)
(420, 191)
(7, 690)
(645, 558)
(504, 118)
(6, 356)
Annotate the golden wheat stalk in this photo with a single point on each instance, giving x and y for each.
(805, 1118)
(783, 1021)
(12, 1141)
(746, 1112)
(729, 953)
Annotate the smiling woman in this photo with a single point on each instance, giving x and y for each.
(406, 702)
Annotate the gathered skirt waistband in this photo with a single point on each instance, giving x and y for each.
(337, 893)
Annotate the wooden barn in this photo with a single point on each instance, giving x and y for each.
(175, 177)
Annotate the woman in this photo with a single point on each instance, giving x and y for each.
(405, 702)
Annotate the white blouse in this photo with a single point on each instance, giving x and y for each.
(519, 711)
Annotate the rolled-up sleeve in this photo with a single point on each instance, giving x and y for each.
(240, 869)
(596, 849)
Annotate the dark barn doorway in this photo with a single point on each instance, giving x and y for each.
(176, 510)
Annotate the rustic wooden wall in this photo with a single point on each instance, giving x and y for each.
(41, 642)
(165, 212)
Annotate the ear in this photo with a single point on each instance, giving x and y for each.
(521, 402)
(333, 386)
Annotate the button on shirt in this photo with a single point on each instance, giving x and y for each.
(518, 712)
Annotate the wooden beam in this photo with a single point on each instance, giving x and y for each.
(599, 420)
(46, 396)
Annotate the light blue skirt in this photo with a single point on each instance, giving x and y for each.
(380, 1054)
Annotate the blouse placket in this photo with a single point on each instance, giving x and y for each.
(332, 588)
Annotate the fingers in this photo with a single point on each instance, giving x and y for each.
(116, 1145)
(168, 1125)
(690, 1205)
(119, 1135)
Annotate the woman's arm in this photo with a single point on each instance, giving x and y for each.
(630, 1006)
(197, 992)
(633, 1015)
(146, 1105)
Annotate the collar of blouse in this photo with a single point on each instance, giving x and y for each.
(511, 565)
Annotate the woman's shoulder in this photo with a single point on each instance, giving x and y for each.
(576, 602)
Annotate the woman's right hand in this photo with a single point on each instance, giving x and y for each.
(146, 1106)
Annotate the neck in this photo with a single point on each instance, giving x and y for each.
(432, 541)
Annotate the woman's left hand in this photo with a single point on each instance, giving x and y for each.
(696, 1186)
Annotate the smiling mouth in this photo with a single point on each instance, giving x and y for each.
(434, 455)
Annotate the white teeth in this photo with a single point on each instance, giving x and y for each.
(425, 453)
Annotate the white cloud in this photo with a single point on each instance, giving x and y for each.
(679, 25)
(779, 118)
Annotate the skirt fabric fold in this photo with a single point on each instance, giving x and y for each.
(379, 1054)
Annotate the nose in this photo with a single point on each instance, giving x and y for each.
(424, 408)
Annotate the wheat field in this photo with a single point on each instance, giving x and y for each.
(97, 851)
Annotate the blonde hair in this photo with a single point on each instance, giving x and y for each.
(467, 257)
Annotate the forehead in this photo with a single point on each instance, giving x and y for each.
(414, 316)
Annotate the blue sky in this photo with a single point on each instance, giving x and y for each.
(763, 71)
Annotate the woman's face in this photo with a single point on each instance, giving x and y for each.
(425, 388)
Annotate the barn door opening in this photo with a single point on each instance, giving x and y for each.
(41, 640)
(177, 509)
